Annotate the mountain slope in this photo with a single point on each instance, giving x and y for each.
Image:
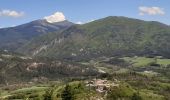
(14, 37)
(109, 36)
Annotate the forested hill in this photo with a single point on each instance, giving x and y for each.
(111, 36)
(16, 68)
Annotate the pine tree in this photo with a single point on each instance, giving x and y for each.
(136, 96)
(48, 94)
(67, 94)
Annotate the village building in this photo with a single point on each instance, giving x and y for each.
(100, 85)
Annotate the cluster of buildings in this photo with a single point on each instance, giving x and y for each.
(100, 85)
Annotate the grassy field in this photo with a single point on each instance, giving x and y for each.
(163, 61)
(3, 93)
(26, 92)
(144, 61)
(31, 89)
(149, 95)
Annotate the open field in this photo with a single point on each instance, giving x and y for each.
(144, 61)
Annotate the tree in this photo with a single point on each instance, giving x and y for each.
(48, 94)
(67, 93)
(115, 94)
(136, 96)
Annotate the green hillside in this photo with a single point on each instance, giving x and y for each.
(111, 36)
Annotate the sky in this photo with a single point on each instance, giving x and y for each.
(16, 12)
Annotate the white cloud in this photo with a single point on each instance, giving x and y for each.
(151, 11)
(91, 20)
(11, 13)
(56, 17)
(80, 22)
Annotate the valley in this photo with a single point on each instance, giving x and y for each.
(148, 78)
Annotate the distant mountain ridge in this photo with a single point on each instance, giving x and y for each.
(111, 36)
(14, 37)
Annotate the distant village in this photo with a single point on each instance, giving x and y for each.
(100, 85)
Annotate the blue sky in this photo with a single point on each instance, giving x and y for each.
(15, 12)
